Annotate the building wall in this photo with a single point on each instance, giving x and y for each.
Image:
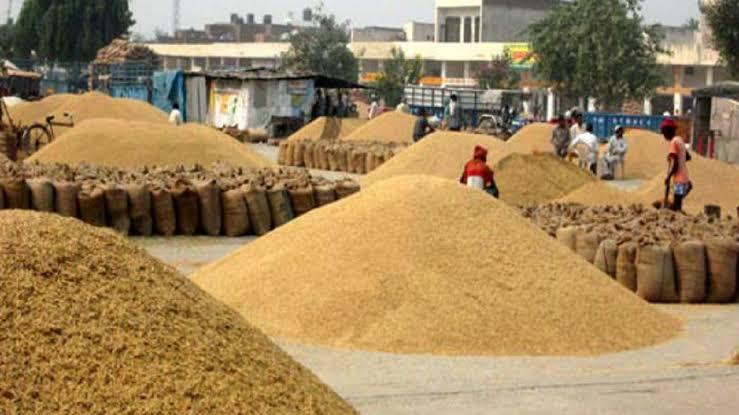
(442, 27)
(419, 32)
(377, 34)
(506, 20)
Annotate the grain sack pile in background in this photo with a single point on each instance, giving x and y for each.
(93, 324)
(327, 128)
(390, 127)
(418, 264)
(357, 157)
(131, 144)
(442, 154)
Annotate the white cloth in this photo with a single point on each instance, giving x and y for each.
(374, 110)
(175, 117)
(576, 130)
(475, 182)
(589, 140)
(404, 108)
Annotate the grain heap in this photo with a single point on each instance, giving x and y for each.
(394, 127)
(647, 154)
(442, 154)
(92, 324)
(29, 112)
(600, 194)
(418, 264)
(531, 138)
(131, 144)
(329, 128)
(525, 179)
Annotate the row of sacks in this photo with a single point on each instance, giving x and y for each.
(169, 202)
(332, 155)
(693, 271)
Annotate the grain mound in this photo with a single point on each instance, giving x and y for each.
(525, 179)
(600, 194)
(418, 264)
(531, 138)
(647, 154)
(327, 128)
(92, 324)
(395, 127)
(129, 144)
(442, 154)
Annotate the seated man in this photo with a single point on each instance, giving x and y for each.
(615, 155)
(422, 126)
(478, 175)
(589, 142)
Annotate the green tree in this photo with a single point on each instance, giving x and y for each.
(70, 30)
(322, 49)
(723, 18)
(498, 74)
(600, 49)
(6, 40)
(398, 71)
(692, 24)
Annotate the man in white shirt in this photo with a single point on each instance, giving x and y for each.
(175, 117)
(615, 155)
(403, 107)
(374, 110)
(589, 142)
(577, 125)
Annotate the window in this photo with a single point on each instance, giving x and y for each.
(452, 27)
(689, 71)
(478, 35)
(467, 30)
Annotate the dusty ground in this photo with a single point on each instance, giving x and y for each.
(687, 375)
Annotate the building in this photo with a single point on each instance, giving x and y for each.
(419, 32)
(377, 34)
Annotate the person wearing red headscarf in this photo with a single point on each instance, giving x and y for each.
(478, 175)
(678, 175)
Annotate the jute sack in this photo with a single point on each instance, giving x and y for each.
(370, 161)
(722, 256)
(586, 244)
(139, 209)
(606, 257)
(280, 205)
(116, 205)
(349, 157)
(17, 194)
(186, 209)
(333, 158)
(65, 198)
(690, 266)
(92, 206)
(325, 194)
(322, 156)
(302, 200)
(346, 188)
(342, 158)
(308, 155)
(290, 154)
(566, 236)
(655, 273)
(299, 149)
(209, 197)
(282, 153)
(2, 199)
(260, 215)
(360, 161)
(163, 210)
(42, 194)
(626, 265)
(235, 213)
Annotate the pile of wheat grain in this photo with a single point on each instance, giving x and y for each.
(394, 126)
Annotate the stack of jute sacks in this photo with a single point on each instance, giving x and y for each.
(167, 201)
(661, 255)
(359, 157)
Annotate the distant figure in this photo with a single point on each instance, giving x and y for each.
(478, 175)
(403, 107)
(374, 110)
(175, 117)
(422, 126)
(677, 175)
(590, 142)
(454, 114)
(561, 138)
(615, 155)
(577, 125)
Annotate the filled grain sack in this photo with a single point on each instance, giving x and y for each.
(606, 257)
(260, 215)
(42, 194)
(17, 194)
(690, 267)
(586, 244)
(290, 154)
(346, 188)
(91, 203)
(302, 200)
(360, 161)
(186, 209)
(324, 194)
(566, 236)
(332, 155)
(322, 156)
(655, 274)
(342, 159)
(299, 152)
(349, 157)
(65, 198)
(626, 265)
(280, 205)
(209, 199)
(163, 211)
(370, 161)
(308, 155)
(116, 206)
(722, 256)
(139, 209)
(235, 213)
(282, 153)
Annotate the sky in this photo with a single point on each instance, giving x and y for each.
(152, 14)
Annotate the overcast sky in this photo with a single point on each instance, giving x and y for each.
(151, 14)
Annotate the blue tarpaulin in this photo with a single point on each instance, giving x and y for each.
(139, 92)
(168, 89)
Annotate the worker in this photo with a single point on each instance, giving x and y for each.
(615, 155)
(678, 176)
(561, 137)
(454, 114)
(374, 110)
(478, 175)
(422, 126)
(589, 141)
(403, 107)
(577, 125)
(175, 117)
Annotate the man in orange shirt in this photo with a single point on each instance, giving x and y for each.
(678, 157)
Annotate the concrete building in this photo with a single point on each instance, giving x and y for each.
(419, 32)
(377, 34)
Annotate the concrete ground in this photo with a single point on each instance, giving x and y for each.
(687, 375)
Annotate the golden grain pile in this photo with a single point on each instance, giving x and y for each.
(525, 179)
(647, 154)
(92, 324)
(419, 264)
(131, 144)
(442, 154)
(394, 126)
(328, 128)
(533, 137)
(600, 194)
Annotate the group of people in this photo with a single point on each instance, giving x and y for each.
(324, 105)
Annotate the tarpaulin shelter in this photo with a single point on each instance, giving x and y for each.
(168, 88)
(716, 124)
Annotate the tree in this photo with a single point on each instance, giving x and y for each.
(498, 74)
(692, 24)
(6, 40)
(397, 73)
(600, 49)
(322, 49)
(70, 30)
(723, 18)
